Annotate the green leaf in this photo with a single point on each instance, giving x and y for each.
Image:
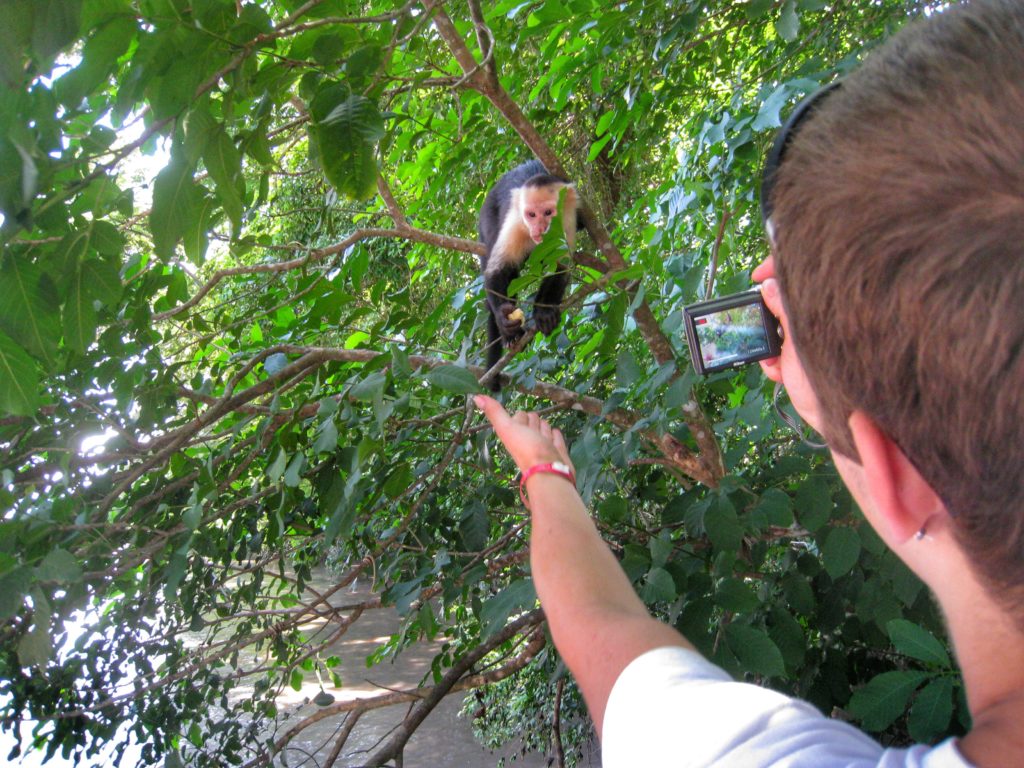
(28, 309)
(787, 633)
(341, 510)
(768, 114)
(453, 378)
(177, 202)
(918, 643)
(813, 503)
(224, 162)
(798, 592)
(195, 238)
(773, 508)
(931, 712)
(14, 585)
(475, 527)
(659, 587)
(343, 135)
(59, 566)
(722, 525)
(15, 38)
(755, 650)
(55, 26)
(788, 25)
(841, 550)
(884, 698)
(327, 439)
(370, 387)
(614, 509)
(736, 596)
(627, 370)
(78, 314)
(516, 597)
(34, 648)
(19, 380)
(296, 679)
(398, 481)
(102, 280)
(293, 475)
(758, 8)
(275, 363)
(276, 469)
(193, 516)
(363, 63)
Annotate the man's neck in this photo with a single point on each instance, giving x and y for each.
(990, 650)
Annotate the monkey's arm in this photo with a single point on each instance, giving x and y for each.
(547, 303)
(501, 304)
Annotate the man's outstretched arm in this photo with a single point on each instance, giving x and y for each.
(598, 623)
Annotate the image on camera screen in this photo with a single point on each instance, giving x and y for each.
(731, 334)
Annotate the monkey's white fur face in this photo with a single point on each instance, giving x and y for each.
(537, 206)
(529, 218)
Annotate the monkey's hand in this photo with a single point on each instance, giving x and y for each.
(510, 323)
(546, 318)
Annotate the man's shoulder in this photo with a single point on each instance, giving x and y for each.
(672, 707)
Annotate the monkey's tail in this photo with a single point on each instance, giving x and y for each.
(494, 350)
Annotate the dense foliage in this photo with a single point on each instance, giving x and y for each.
(218, 379)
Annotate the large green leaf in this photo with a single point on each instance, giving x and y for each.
(28, 311)
(78, 315)
(931, 711)
(453, 378)
(177, 203)
(885, 698)
(841, 550)
(224, 162)
(19, 380)
(722, 524)
(917, 642)
(343, 140)
(516, 597)
(55, 26)
(755, 650)
(659, 587)
(813, 503)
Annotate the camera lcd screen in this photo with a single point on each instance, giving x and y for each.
(730, 332)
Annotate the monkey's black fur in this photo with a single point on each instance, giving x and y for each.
(546, 304)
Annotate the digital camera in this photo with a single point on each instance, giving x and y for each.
(731, 331)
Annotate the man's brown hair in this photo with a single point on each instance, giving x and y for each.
(899, 225)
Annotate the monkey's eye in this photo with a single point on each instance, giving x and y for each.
(548, 212)
(532, 214)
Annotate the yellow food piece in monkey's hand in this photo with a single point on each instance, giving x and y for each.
(516, 316)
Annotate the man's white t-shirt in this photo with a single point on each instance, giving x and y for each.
(672, 707)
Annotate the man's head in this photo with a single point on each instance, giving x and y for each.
(898, 217)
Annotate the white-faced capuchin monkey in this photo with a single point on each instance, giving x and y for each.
(516, 214)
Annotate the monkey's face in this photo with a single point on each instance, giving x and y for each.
(539, 207)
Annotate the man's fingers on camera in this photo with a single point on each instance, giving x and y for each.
(772, 367)
(764, 270)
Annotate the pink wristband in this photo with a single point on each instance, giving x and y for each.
(553, 468)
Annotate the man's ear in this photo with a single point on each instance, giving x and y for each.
(903, 501)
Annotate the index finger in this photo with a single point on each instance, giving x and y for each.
(493, 410)
(764, 270)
